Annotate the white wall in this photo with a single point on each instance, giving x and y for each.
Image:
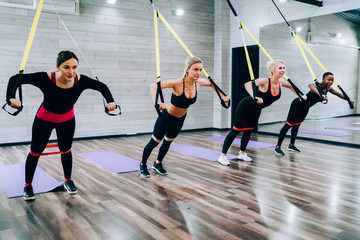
(118, 42)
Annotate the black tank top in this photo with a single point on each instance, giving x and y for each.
(313, 98)
(268, 97)
(182, 101)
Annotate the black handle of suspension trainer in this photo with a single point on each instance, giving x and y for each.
(232, 8)
(318, 86)
(14, 113)
(346, 97)
(13, 93)
(113, 114)
(218, 91)
(161, 113)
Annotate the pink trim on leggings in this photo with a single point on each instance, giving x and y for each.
(293, 124)
(48, 116)
(242, 129)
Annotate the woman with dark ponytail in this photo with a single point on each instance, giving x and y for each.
(61, 90)
(299, 110)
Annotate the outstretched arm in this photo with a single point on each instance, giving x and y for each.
(163, 84)
(206, 82)
(249, 88)
(339, 94)
(286, 84)
(35, 79)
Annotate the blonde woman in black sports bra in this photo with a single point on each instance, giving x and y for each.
(170, 123)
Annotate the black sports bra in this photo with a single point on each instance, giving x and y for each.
(182, 101)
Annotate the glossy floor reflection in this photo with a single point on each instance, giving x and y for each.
(345, 130)
(314, 194)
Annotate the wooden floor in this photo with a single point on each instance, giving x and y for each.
(313, 195)
(322, 128)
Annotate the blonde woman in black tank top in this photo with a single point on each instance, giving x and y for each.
(184, 94)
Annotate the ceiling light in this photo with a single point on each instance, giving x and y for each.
(111, 1)
(298, 29)
(179, 12)
(282, 1)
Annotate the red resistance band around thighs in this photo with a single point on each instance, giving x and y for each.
(49, 153)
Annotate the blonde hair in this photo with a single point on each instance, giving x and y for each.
(189, 62)
(272, 65)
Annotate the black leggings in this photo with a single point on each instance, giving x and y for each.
(168, 126)
(232, 135)
(283, 131)
(41, 131)
(297, 114)
(246, 116)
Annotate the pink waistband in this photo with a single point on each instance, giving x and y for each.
(48, 116)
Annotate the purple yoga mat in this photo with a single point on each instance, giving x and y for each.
(113, 161)
(251, 144)
(324, 133)
(12, 179)
(204, 153)
(344, 128)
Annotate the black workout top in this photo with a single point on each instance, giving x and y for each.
(58, 100)
(182, 101)
(268, 97)
(313, 98)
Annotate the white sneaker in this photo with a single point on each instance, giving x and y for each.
(244, 157)
(223, 160)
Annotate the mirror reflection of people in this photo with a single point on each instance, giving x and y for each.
(299, 110)
(61, 90)
(249, 109)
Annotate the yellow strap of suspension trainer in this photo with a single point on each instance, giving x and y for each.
(156, 27)
(252, 78)
(248, 59)
(325, 70)
(261, 47)
(304, 56)
(217, 89)
(297, 39)
(297, 90)
(315, 58)
(178, 39)
(31, 36)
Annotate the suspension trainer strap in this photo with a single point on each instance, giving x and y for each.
(158, 78)
(297, 90)
(217, 89)
(25, 57)
(242, 26)
(78, 48)
(252, 78)
(318, 86)
(315, 58)
(347, 98)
